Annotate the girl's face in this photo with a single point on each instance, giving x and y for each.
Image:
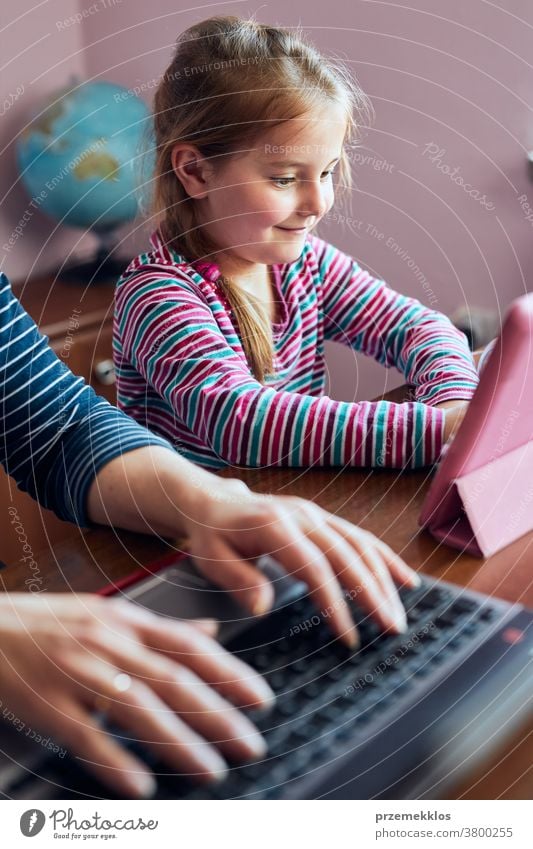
(260, 205)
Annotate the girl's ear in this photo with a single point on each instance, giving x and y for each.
(191, 170)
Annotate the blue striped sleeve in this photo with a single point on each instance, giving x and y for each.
(56, 432)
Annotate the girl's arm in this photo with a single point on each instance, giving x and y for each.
(422, 344)
(169, 335)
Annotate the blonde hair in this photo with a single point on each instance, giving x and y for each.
(230, 80)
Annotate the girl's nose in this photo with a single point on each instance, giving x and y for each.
(312, 199)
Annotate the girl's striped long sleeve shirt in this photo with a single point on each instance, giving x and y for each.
(182, 372)
(56, 432)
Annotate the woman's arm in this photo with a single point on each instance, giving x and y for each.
(56, 433)
(228, 526)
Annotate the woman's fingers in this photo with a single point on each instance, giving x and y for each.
(232, 678)
(142, 713)
(372, 556)
(400, 571)
(359, 561)
(72, 725)
(164, 705)
(293, 547)
(372, 559)
(207, 626)
(177, 688)
(184, 693)
(361, 570)
(246, 584)
(402, 574)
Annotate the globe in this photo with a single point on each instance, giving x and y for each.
(81, 157)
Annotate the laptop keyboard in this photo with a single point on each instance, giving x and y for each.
(330, 700)
(329, 697)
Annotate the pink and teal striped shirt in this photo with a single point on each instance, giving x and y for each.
(182, 372)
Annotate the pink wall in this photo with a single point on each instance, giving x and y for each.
(455, 76)
(41, 51)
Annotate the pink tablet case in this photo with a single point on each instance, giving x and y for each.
(481, 498)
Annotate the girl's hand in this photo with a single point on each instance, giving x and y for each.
(455, 413)
(166, 683)
(326, 552)
(482, 355)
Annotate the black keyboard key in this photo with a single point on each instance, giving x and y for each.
(298, 666)
(446, 619)
(312, 690)
(465, 605)
(432, 598)
(487, 614)
(428, 634)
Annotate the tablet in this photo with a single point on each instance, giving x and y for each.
(481, 498)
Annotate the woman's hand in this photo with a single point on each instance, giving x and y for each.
(168, 684)
(324, 551)
(155, 490)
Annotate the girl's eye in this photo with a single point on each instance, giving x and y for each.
(284, 182)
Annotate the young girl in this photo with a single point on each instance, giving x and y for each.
(220, 327)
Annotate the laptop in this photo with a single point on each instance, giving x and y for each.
(403, 717)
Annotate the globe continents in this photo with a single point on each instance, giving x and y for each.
(81, 157)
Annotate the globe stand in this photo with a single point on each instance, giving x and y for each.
(103, 268)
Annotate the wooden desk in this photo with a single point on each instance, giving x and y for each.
(386, 503)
